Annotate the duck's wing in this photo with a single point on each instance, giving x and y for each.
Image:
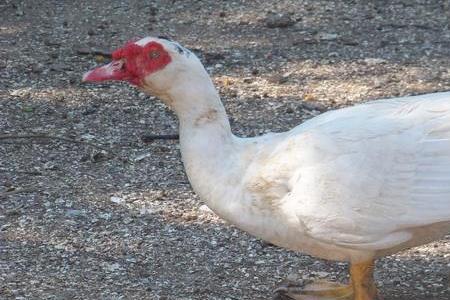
(364, 176)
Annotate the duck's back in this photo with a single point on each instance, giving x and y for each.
(372, 177)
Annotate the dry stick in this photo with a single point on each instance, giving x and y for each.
(152, 137)
(19, 191)
(35, 173)
(51, 137)
(146, 138)
(94, 51)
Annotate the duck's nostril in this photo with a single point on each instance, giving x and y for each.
(119, 65)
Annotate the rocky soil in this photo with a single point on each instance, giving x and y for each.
(91, 207)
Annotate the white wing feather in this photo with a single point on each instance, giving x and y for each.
(364, 176)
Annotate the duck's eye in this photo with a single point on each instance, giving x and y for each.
(153, 54)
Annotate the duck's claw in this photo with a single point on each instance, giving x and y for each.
(318, 290)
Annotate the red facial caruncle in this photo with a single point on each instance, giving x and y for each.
(132, 63)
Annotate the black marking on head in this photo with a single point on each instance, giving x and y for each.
(163, 37)
(179, 48)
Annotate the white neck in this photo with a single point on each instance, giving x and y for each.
(197, 103)
(216, 161)
(207, 145)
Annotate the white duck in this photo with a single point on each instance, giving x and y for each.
(352, 184)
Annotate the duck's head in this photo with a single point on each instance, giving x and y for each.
(155, 65)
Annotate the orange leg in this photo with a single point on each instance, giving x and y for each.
(361, 275)
(361, 287)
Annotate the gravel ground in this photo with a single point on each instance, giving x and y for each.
(100, 211)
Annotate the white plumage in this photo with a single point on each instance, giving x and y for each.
(351, 184)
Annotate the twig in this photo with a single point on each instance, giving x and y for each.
(52, 137)
(151, 137)
(19, 191)
(35, 173)
(94, 51)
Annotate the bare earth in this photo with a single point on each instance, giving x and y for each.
(78, 222)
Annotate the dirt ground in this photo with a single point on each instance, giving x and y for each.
(101, 211)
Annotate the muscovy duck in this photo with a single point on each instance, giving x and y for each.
(351, 184)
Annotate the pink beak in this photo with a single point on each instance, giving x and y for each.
(111, 71)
